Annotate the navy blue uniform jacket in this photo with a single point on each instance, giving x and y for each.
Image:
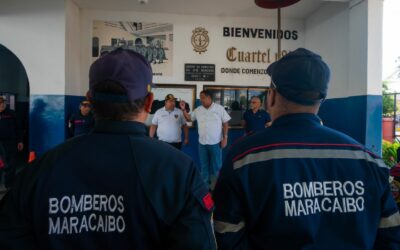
(300, 185)
(10, 131)
(112, 189)
(255, 121)
(80, 124)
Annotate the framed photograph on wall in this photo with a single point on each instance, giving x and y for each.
(153, 40)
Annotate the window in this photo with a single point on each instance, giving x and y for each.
(236, 100)
(95, 47)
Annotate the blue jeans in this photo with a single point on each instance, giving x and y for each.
(210, 162)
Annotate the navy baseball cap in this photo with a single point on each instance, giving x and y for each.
(126, 67)
(300, 76)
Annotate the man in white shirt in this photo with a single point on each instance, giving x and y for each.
(168, 121)
(212, 121)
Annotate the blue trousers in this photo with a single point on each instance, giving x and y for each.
(210, 162)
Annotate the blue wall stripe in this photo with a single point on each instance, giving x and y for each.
(374, 123)
(49, 115)
(192, 149)
(358, 116)
(46, 122)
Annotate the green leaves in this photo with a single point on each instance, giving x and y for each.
(389, 152)
(387, 101)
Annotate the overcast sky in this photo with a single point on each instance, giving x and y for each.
(391, 36)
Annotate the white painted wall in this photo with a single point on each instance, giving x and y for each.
(358, 48)
(327, 33)
(35, 32)
(52, 38)
(375, 43)
(183, 51)
(73, 84)
(349, 38)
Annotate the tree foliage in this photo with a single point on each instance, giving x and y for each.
(387, 100)
(389, 152)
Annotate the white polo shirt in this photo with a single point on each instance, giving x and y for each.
(209, 122)
(169, 124)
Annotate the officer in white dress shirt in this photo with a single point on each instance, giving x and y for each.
(169, 122)
(212, 121)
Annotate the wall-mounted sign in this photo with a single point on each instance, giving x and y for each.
(200, 40)
(260, 33)
(233, 55)
(244, 71)
(200, 72)
(262, 58)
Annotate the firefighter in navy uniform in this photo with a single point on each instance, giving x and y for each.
(81, 123)
(10, 139)
(298, 184)
(126, 191)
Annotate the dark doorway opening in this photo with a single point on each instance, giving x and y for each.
(14, 88)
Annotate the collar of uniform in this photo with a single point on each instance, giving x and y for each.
(119, 127)
(169, 110)
(296, 119)
(209, 107)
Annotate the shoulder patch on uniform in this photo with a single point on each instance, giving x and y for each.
(208, 202)
(204, 198)
(2, 163)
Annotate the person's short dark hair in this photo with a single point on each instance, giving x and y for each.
(157, 104)
(86, 103)
(235, 105)
(115, 111)
(207, 92)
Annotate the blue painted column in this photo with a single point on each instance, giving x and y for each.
(357, 116)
